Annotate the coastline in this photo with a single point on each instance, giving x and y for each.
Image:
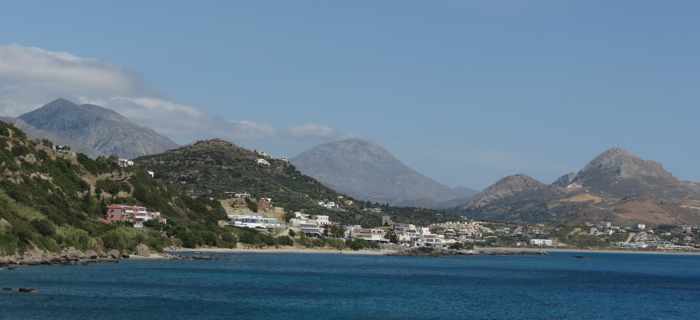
(299, 250)
(577, 250)
(385, 252)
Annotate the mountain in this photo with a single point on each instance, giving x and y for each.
(367, 171)
(92, 130)
(504, 188)
(615, 186)
(619, 173)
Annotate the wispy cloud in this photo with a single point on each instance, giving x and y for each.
(31, 77)
(313, 130)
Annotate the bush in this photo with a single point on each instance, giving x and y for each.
(284, 241)
(359, 244)
(44, 227)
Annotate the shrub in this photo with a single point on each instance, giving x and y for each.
(284, 241)
(44, 227)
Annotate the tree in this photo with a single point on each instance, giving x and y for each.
(391, 235)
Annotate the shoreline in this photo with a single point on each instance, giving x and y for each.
(577, 250)
(388, 252)
(380, 252)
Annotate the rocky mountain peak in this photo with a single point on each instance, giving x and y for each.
(624, 164)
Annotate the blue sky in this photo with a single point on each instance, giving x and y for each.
(464, 91)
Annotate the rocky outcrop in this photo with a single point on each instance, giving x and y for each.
(143, 250)
(65, 257)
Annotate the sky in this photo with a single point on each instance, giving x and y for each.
(465, 92)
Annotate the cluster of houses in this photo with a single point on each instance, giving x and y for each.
(135, 215)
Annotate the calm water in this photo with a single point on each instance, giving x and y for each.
(297, 286)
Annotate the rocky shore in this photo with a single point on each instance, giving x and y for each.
(70, 256)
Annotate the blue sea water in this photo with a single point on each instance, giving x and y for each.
(323, 286)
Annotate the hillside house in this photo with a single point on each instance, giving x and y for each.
(125, 163)
(135, 215)
(328, 204)
(262, 162)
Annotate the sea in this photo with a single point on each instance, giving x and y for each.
(335, 286)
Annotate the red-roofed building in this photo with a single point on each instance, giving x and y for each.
(133, 214)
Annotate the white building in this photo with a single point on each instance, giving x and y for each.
(254, 222)
(262, 162)
(328, 204)
(541, 242)
(430, 241)
(322, 220)
(310, 225)
(371, 234)
(125, 163)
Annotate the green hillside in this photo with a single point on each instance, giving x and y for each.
(52, 200)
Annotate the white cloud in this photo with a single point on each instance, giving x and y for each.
(30, 77)
(312, 130)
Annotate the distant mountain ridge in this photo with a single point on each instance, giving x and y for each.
(615, 186)
(368, 171)
(93, 130)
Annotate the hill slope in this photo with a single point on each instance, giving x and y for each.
(93, 130)
(55, 200)
(368, 171)
(615, 186)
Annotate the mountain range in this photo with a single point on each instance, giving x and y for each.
(91, 129)
(368, 171)
(616, 186)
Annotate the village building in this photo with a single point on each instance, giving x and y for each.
(136, 215)
(255, 222)
(328, 204)
(262, 162)
(541, 242)
(369, 234)
(125, 163)
(431, 241)
(312, 226)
